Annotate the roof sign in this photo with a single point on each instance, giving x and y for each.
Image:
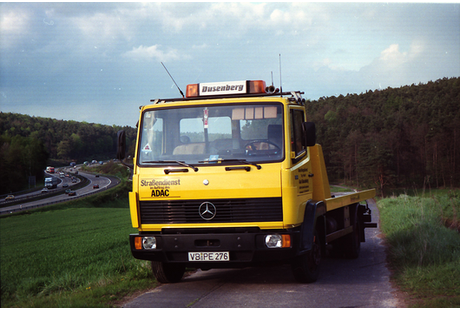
(225, 88)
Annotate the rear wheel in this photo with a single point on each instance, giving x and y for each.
(306, 266)
(352, 243)
(167, 272)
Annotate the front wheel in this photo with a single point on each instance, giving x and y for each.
(167, 272)
(306, 266)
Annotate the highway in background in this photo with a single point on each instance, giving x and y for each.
(96, 183)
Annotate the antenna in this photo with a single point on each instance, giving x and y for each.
(281, 83)
(173, 80)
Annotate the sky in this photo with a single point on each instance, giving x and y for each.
(98, 62)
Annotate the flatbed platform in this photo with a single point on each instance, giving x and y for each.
(348, 199)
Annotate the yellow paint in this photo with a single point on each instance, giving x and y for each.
(296, 180)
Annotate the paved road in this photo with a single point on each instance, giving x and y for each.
(363, 282)
(104, 182)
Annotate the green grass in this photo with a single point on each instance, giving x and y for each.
(423, 252)
(77, 254)
(70, 255)
(339, 189)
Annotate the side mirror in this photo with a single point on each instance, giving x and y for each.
(121, 147)
(309, 132)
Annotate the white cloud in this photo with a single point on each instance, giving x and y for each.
(102, 26)
(395, 67)
(153, 52)
(326, 48)
(326, 62)
(233, 19)
(13, 25)
(392, 58)
(416, 48)
(13, 21)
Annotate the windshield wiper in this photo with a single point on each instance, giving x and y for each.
(238, 160)
(171, 162)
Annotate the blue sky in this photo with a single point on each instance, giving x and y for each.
(98, 62)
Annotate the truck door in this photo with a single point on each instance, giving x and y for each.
(300, 163)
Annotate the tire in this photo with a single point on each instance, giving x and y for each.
(167, 272)
(352, 242)
(305, 267)
(348, 246)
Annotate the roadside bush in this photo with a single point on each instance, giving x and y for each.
(423, 253)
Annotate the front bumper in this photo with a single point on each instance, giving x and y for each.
(245, 249)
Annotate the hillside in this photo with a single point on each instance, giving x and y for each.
(397, 137)
(28, 144)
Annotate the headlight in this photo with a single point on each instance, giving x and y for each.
(145, 243)
(149, 243)
(277, 241)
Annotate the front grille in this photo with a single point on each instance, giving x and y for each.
(227, 211)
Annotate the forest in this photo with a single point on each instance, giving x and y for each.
(29, 144)
(391, 138)
(397, 137)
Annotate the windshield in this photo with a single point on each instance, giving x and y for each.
(208, 134)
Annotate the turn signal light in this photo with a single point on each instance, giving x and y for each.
(138, 243)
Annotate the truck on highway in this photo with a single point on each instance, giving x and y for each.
(51, 182)
(231, 176)
(49, 169)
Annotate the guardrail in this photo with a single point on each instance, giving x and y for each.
(21, 208)
(49, 193)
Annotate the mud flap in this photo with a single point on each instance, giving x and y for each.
(305, 266)
(365, 218)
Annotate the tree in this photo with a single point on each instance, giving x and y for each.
(64, 149)
(419, 126)
(375, 164)
(77, 145)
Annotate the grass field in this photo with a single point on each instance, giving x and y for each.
(424, 246)
(70, 255)
(77, 254)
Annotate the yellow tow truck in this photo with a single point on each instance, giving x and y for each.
(231, 176)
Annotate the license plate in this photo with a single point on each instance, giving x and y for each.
(208, 256)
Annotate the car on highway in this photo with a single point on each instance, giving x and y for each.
(45, 190)
(95, 186)
(72, 193)
(67, 191)
(65, 185)
(9, 197)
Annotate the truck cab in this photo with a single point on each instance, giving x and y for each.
(231, 176)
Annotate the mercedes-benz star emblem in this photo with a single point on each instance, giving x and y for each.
(207, 211)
